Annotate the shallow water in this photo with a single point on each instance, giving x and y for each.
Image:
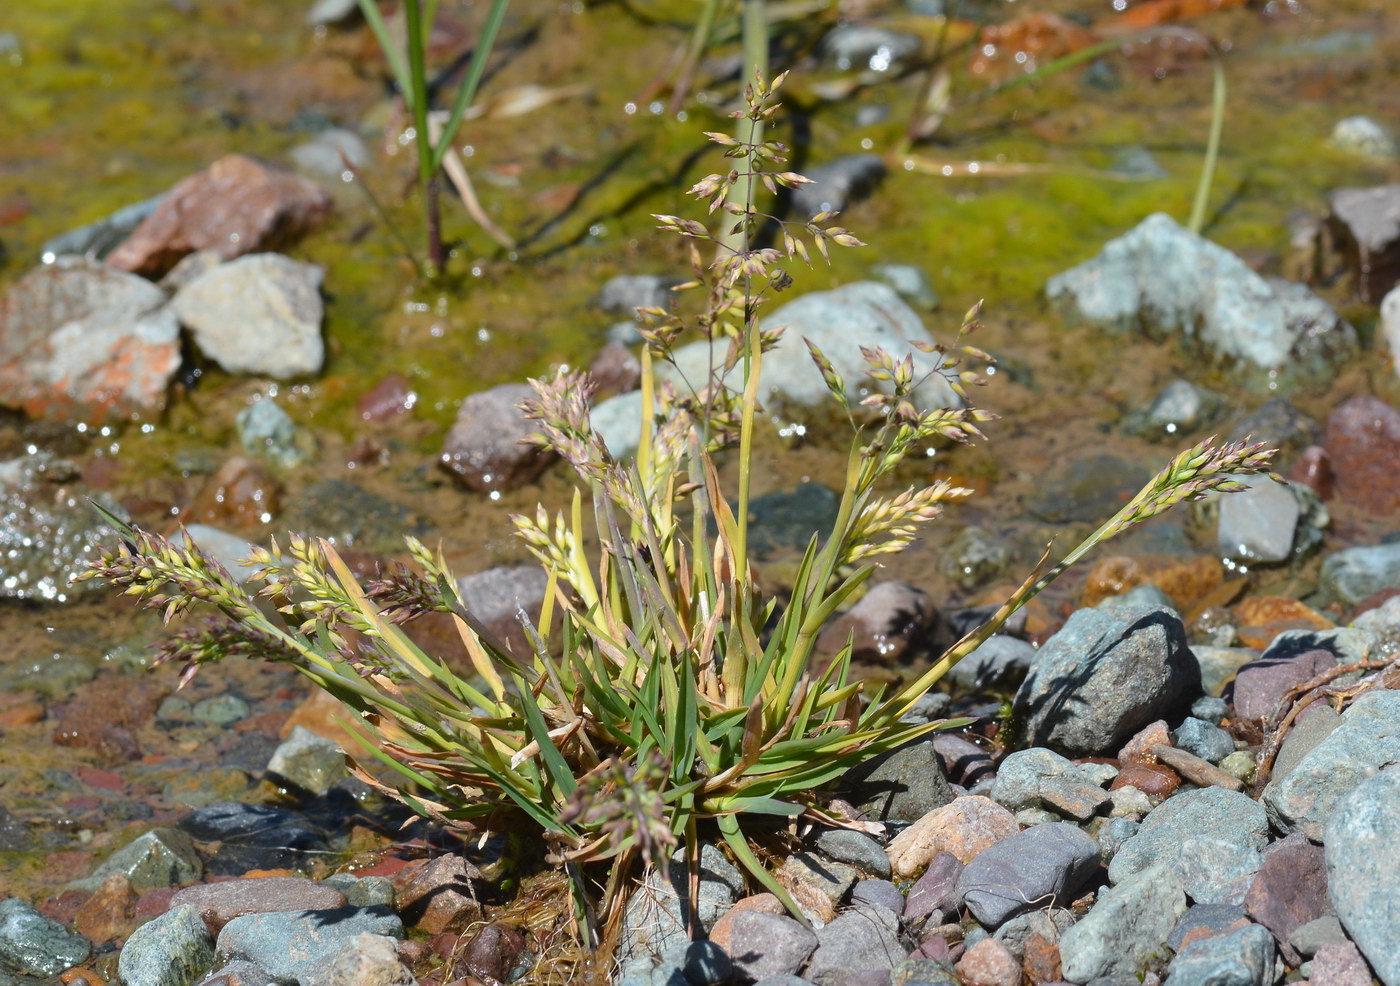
(108, 104)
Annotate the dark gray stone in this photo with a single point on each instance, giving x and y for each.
(1363, 867)
(903, 785)
(706, 964)
(1210, 709)
(1088, 489)
(856, 942)
(162, 857)
(31, 943)
(174, 949)
(625, 293)
(856, 848)
(1214, 917)
(1044, 865)
(1203, 739)
(1353, 574)
(881, 893)
(1243, 957)
(1103, 677)
(1001, 659)
(1308, 938)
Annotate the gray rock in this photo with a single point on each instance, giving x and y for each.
(1353, 574)
(1049, 924)
(768, 947)
(1207, 741)
(267, 431)
(80, 341)
(365, 960)
(1308, 938)
(1227, 816)
(48, 528)
(1363, 137)
(857, 942)
(306, 763)
(172, 950)
(878, 893)
(1179, 409)
(1383, 623)
(326, 154)
(1103, 677)
(483, 451)
(496, 597)
(351, 515)
(1001, 659)
(1042, 865)
(257, 314)
(1085, 489)
(229, 550)
(1127, 925)
(1214, 917)
(625, 293)
(1218, 666)
(364, 891)
(865, 47)
(162, 857)
(975, 557)
(1210, 709)
(1113, 833)
(96, 240)
(293, 946)
(1365, 225)
(1366, 740)
(1037, 778)
(1279, 424)
(221, 710)
(911, 282)
(31, 943)
(1243, 957)
(1136, 599)
(658, 913)
(903, 785)
(856, 848)
(1216, 871)
(883, 625)
(1259, 524)
(784, 980)
(706, 964)
(838, 184)
(1164, 279)
(1363, 868)
(1138, 163)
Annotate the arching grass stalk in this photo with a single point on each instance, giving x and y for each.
(409, 67)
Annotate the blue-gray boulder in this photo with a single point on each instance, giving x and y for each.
(1363, 869)
(1243, 957)
(1225, 816)
(1044, 865)
(31, 943)
(172, 950)
(294, 945)
(1127, 925)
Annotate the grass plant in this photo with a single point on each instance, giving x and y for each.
(665, 699)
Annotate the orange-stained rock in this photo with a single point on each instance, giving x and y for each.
(1185, 579)
(110, 913)
(237, 205)
(1152, 779)
(989, 963)
(241, 493)
(1139, 748)
(1039, 37)
(19, 709)
(1259, 619)
(964, 828)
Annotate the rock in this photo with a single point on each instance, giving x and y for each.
(816, 885)
(883, 625)
(1354, 574)
(1043, 865)
(1313, 469)
(1178, 409)
(975, 557)
(162, 857)
(221, 710)
(966, 827)
(838, 184)
(483, 450)
(937, 890)
(1289, 891)
(1086, 489)
(351, 516)
(1104, 676)
(1363, 137)
(1261, 685)
(31, 943)
(1365, 741)
(1001, 659)
(1204, 920)
(1390, 325)
(95, 240)
(615, 370)
(48, 528)
(1113, 833)
(658, 912)
(1339, 964)
(783, 522)
(1047, 925)
(878, 893)
(1308, 938)
(902, 785)
(267, 431)
(1035, 777)
(1262, 619)
(1277, 423)
(1210, 710)
(365, 891)
(1363, 442)
(1227, 816)
(172, 950)
(219, 903)
(1216, 871)
(258, 314)
(325, 13)
(1259, 524)
(365, 960)
(297, 945)
(253, 836)
(441, 896)
(221, 547)
(989, 963)
(1127, 925)
(110, 913)
(856, 943)
(856, 848)
(496, 595)
(1364, 223)
(1207, 741)
(494, 951)
(1164, 279)
(241, 493)
(866, 47)
(1363, 868)
(625, 293)
(306, 764)
(82, 342)
(326, 155)
(1243, 957)
(237, 974)
(762, 945)
(107, 717)
(910, 281)
(964, 762)
(239, 205)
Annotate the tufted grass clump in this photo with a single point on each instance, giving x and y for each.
(665, 700)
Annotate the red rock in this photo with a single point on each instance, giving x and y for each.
(386, 400)
(492, 953)
(1314, 470)
(615, 370)
(105, 718)
(154, 902)
(20, 709)
(63, 906)
(1185, 580)
(1042, 960)
(1152, 779)
(1289, 890)
(220, 903)
(110, 913)
(1261, 684)
(1262, 618)
(104, 779)
(1339, 963)
(883, 625)
(1363, 440)
(483, 451)
(441, 896)
(240, 494)
(238, 205)
(989, 963)
(1139, 748)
